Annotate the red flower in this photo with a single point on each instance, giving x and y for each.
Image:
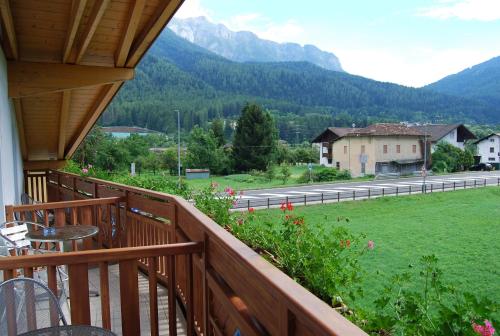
(251, 210)
(348, 243)
(289, 206)
(283, 207)
(287, 217)
(341, 244)
(240, 221)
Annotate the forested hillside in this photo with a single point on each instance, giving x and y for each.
(481, 81)
(303, 98)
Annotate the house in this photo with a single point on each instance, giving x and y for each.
(454, 134)
(376, 149)
(488, 149)
(154, 255)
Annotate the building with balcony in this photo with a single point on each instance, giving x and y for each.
(156, 256)
(376, 149)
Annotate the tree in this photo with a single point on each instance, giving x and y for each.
(217, 128)
(448, 158)
(285, 174)
(151, 161)
(254, 139)
(203, 152)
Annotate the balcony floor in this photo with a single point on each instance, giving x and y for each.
(114, 289)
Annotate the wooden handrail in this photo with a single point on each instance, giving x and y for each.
(97, 256)
(65, 204)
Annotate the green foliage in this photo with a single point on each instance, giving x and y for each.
(420, 302)
(254, 139)
(299, 250)
(215, 205)
(169, 159)
(203, 152)
(285, 174)
(324, 174)
(448, 158)
(150, 161)
(270, 172)
(217, 128)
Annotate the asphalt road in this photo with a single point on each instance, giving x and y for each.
(335, 192)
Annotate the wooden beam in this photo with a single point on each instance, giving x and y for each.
(129, 33)
(8, 24)
(100, 104)
(63, 121)
(45, 164)
(77, 9)
(29, 79)
(20, 127)
(93, 21)
(151, 31)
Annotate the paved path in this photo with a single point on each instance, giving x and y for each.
(335, 192)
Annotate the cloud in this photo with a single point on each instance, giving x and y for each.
(192, 8)
(416, 66)
(264, 27)
(478, 10)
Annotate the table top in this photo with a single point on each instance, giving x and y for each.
(70, 330)
(62, 233)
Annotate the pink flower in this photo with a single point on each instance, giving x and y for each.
(230, 191)
(371, 245)
(283, 206)
(90, 166)
(486, 330)
(85, 170)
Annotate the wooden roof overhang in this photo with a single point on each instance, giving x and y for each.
(66, 60)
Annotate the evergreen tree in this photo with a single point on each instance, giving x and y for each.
(254, 139)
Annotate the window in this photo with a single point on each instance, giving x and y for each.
(362, 149)
(363, 168)
(414, 148)
(345, 149)
(398, 148)
(492, 149)
(491, 159)
(492, 140)
(338, 165)
(385, 149)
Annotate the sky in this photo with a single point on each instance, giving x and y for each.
(409, 42)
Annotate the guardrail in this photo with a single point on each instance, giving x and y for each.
(366, 193)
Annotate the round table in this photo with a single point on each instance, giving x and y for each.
(70, 330)
(62, 233)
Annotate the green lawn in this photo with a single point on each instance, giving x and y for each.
(461, 228)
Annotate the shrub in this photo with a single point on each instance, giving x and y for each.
(324, 175)
(285, 174)
(270, 172)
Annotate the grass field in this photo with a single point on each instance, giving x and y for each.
(461, 228)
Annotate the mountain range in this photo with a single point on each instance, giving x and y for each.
(245, 46)
(303, 98)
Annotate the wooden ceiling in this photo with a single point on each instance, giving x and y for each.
(66, 61)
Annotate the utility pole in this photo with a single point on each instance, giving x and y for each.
(179, 147)
(424, 170)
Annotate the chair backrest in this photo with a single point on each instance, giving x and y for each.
(27, 304)
(16, 235)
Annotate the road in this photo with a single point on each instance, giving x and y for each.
(335, 192)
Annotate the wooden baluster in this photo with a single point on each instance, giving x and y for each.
(129, 296)
(74, 221)
(104, 293)
(100, 226)
(153, 296)
(10, 312)
(189, 295)
(86, 213)
(119, 233)
(109, 227)
(79, 293)
(172, 318)
(30, 302)
(52, 284)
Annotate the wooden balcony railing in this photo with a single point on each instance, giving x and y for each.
(232, 288)
(78, 264)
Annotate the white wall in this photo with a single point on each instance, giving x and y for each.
(483, 149)
(11, 172)
(451, 138)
